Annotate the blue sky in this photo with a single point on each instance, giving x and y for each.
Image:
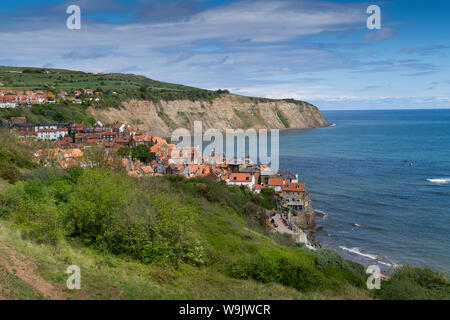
(318, 51)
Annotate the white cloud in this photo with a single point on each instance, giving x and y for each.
(259, 53)
(258, 21)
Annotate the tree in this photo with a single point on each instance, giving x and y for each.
(124, 152)
(142, 153)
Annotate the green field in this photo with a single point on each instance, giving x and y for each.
(127, 85)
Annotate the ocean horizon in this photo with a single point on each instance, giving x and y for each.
(382, 179)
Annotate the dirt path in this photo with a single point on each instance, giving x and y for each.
(1, 290)
(25, 269)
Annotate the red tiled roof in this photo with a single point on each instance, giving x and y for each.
(147, 169)
(276, 182)
(294, 187)
(241, 177)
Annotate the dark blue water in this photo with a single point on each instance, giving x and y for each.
(378, 208)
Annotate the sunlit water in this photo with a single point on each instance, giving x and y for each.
(379, 209)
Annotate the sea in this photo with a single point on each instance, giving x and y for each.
(382, 181)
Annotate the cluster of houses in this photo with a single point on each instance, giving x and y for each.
(72, 139)
(14, 98)
(21, 98)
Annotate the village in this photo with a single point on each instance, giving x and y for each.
(10, 99)
(71, 140)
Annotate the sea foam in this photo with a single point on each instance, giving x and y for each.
(439, 181)
(358, 252)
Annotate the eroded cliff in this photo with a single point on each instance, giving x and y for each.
(222, 113)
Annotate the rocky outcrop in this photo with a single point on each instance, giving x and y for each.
(223, 113)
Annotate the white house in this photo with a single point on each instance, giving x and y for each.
(241, 179)
(276, 184)
(52, 134)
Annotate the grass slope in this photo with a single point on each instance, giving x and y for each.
(106, 276)
(128, 85)
(171, 238)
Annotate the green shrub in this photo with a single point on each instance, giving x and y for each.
(14, 156)
(336, 267)
(107, 210)
(10, 198)
(291, 270)
(45, 175)
(412, 283)
(10, 173)
(40, 218)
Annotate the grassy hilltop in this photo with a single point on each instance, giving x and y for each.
(163, 238)
(128, 86)
(68, 80)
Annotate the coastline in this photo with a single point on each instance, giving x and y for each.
(353, 254)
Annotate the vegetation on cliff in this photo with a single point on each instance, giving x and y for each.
(51, 113)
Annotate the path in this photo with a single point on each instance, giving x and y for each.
(299, 236)
(26, 270)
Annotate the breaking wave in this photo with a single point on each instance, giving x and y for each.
(356, 251)
(439, 181)
(322, 215)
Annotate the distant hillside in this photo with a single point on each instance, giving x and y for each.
(153, 105)
(128, 85)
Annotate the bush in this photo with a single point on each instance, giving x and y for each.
(10, 198)
(14, 156)
(336, 267)
(107, 210)
(412, 283)
(45, 175)
(10, 173)
(291, 270)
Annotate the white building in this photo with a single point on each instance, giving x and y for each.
(241, 179)
(52, 134)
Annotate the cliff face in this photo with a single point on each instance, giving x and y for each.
(223, 113)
